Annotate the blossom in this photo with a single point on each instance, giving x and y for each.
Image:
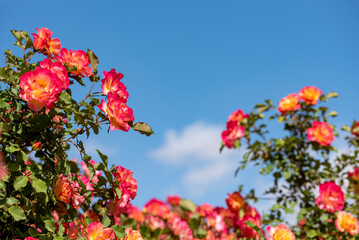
(40, 88)
(63, 190)
(77, 59)
(281, 232)
(157, 207)
(331, 197)
(321, 133)
(118, 113)
(4, 172)
(58, 69)
(252, 215)
(355, 129)
(132, 235)
(354, 175)
(309, 95)
(288, 103)
(36, 146)
(233, 133)
(112, 83)
(128, 187)
(237, 116)
(347, 222)
(235, 201)
(96, 231)
(44, 43)
(180, 228)
(174, 200)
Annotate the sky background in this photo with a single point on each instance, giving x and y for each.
(189, 64)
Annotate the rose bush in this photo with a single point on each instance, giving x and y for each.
(46, 195)
(43, 193)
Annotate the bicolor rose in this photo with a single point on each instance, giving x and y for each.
(288, 103)
(132, 235)
(346, 222)
(58, 69)
(281, 232)
(174, 200)
(320, 132)
(63, 190)
(237, 116)
(157, 207)
(310, 95)
(96, 231)
(128, 186)
(232, 133)
(354, 175)
(44, 43)
(112, 83)
(331, 197)
(235, 202)
(40, 88)
(77, 59)
(118, 113)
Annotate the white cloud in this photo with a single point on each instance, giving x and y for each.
(196, 148)
(199, 140)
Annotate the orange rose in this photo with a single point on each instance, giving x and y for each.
(235, 202)
(321, 133)
(310, 95)
(288, 103)
(281, 232)
(44, 43)
(40, 88)
(347, 222)
(63, 190)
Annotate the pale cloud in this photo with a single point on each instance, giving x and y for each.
(199, 140)
(196, 148)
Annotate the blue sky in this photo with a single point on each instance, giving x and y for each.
(189, 64)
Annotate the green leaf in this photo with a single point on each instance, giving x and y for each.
(119, 231)
(93, 60)
(201, 233)
(103, 157)
(187, 205)
(333, 113)
(287, 175)
(12, 201)
(312, 233)
(346, 128)
(50, 226)
(65, 97)
(106, 221)
(118, 192)
(332, 95)
(4, 104)
(17, 213)
(142, 128)
(20, 182)
(39, 185)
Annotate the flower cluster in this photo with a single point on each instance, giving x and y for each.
(45, 44)
(309, 95)
(118, 113)
(128, 186)
(234, 128)
(173, 219)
